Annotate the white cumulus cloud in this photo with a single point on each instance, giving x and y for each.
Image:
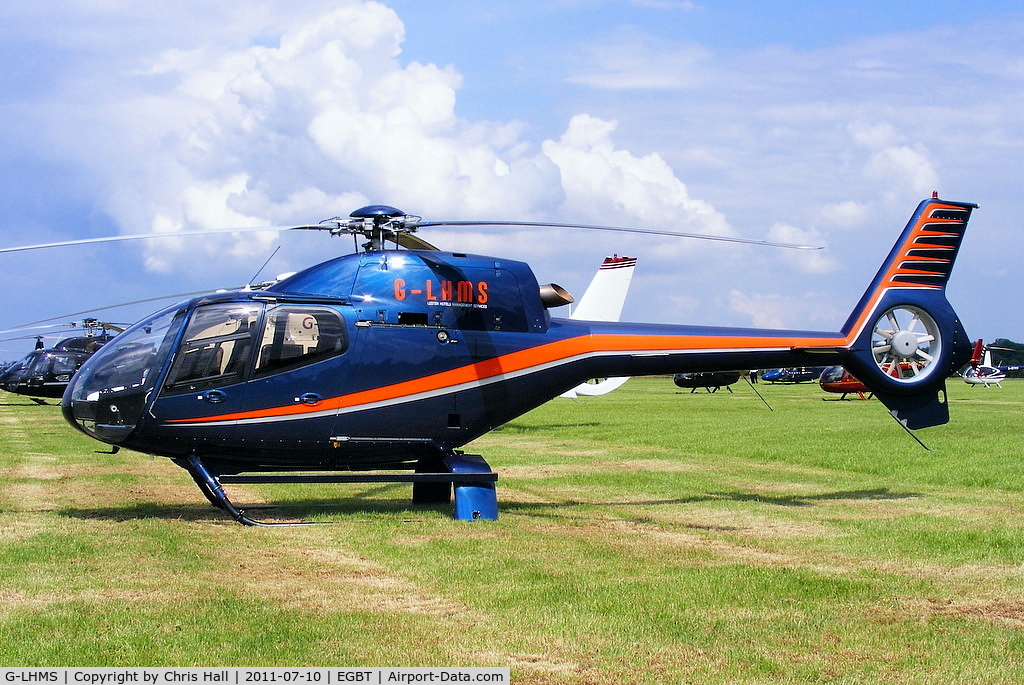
(330, 118)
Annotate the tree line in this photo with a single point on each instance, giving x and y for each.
(1008, 353)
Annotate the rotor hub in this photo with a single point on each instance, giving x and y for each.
(377, 212)
(378, 223)
(904, 344)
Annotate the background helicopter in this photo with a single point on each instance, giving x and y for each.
(982, 371)
(799, 374)
(392, 359)
(603, 301)
(837, 379)
(709, 380)
(45, 372)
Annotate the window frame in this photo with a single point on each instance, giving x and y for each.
(262, 368)
(238, 364)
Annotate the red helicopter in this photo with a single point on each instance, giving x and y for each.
(838, 380)
(393, 359)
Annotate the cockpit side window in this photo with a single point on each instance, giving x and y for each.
(216, 347)
(294, 336)
(65, 364)
(40, 365)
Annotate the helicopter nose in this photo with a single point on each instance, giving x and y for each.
(67, 409)
(99, 418)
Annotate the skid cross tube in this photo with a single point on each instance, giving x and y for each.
(455, 478)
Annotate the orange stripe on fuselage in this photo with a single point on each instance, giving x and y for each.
(533, 357)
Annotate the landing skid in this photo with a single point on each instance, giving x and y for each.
(468, 474)
(859, 394)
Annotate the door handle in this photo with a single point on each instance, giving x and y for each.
(310, 398)
(214, 396)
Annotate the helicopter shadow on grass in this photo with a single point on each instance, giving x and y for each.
(875, 494)
(29, 403)
(398, 502)
(298, 511)
(544, 509)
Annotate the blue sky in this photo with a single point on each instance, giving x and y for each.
(818, 123)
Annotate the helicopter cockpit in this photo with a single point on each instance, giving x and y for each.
(107, 398)
(30, 375)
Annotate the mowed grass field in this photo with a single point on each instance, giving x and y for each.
(648, 536)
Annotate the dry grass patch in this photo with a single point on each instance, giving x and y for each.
(1010, 613)
(15, 527)
(511, 443)
(304, 570)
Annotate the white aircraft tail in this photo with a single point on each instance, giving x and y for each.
(606, 294)
(603, 301)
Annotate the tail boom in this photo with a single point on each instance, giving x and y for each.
(902, 340)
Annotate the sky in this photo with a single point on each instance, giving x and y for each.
(814, 123)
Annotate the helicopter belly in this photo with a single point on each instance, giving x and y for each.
(413, 409)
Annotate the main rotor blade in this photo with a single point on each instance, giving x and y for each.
(67, 326)
(413, 242)
(408, 241)
(149, 236)
(91, 310)
(623, 229)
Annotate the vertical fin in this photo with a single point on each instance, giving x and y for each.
(906, 338)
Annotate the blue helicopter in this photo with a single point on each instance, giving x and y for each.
(394, 359)
(799, 374)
